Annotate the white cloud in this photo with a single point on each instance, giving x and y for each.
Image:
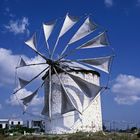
(15, 99)
(8, 63)
(19, 26)
(108, 3)
(127, 100)
(127, 89)
(36, 111)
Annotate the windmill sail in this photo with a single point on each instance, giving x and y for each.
(45, 110)
(90, 90)
(32, 42)
(68, 23)
(68, 98)
(29, 98)
(23, 82)
(22, 63)
(48, 28)
(99, 41)
(76, 66)
(86, 28)
(66, 105)
(101, 63)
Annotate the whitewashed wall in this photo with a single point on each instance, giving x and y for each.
(91, 118)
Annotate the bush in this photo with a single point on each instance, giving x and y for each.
(138, 135)
(134, 129)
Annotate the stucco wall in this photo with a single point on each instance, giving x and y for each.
(91, 117)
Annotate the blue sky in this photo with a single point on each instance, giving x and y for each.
(19, 19)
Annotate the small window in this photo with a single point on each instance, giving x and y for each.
(12, 122)
(6, 125)
(18, 123)
(0, 125)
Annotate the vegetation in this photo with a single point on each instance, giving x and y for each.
(76, 136)
(17, 130)
(18, 133)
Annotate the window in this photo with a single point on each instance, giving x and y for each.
(6, 126)
(0, 125)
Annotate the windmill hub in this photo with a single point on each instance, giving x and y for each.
(52, 63)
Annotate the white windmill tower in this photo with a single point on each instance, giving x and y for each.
(72, 87)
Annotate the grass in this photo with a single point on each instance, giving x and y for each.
(76, 136)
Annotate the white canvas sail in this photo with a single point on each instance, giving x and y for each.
(101, 63)
(77, 66)
(68, 23)
(32, 42)
(22, 63)
(23, 82)
(89, 89)
(29, 98)
(66, 105)
(99, 41)
(86, 28)
(45, 110)
(48, 28)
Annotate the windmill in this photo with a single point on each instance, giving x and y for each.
(72, 88)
